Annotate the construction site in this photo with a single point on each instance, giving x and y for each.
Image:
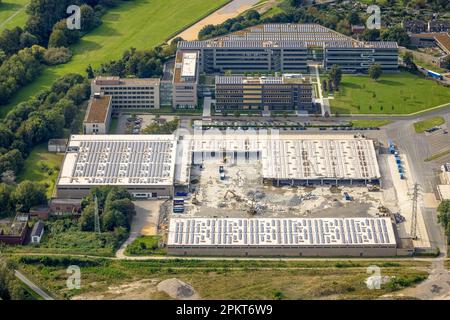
(309, 177)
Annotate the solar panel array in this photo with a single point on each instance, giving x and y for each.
(129, 162)
(302, 232)
(285, 35)
(315, 159)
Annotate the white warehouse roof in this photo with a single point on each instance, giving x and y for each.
(300, 156)
(302, 232)
(119, 160)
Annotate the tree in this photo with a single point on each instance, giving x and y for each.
(252, 15)
(397, 34)
(90, 72)
(28, 194)
(335, 75)
(446, 62)
(371, 35)
(5, 200)
(86, 221)
(375, 71)
(89, 19)
(409, 62)
(324, 85)
(353, 18)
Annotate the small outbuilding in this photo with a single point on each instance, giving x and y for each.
(37, 232)
(57, 145)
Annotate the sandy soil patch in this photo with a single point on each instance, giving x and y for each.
(138, 290)
(178, 289)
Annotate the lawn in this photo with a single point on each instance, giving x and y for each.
(141, 24)
(369, 123)
(218, 279)
(42, 166)
(12, 13)
(144, 246)
(429, 123)
(400, 93)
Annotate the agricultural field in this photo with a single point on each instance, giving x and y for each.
(12, 13)
(220, 279)
(42, 167)
(400, 93)
(141, 24)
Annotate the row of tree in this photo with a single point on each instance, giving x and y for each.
(138, 63)
(22, 51)
(444, 217)
(39, 119)
(340, 21)
(20, 197)
(10, 286)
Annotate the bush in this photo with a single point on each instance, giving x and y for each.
(54, 56)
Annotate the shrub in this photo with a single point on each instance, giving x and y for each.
(54, 56)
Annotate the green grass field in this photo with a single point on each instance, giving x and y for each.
(42, 166)
(144, 246)
(12, 13)
(429, 123)
(369, 123)
(400, 93)
(141, 24)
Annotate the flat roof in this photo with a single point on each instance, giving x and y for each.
(185, 68)
(444, 191)
(98, 110)
(285, 79)
(119, 160)
(289, 35)
(189, 64)
(300, 156)
(301, 232)
(116, 81)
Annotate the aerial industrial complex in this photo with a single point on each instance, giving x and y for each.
(164, 166)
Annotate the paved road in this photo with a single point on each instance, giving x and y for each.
(33, 286)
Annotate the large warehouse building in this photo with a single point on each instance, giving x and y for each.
(282, 237)
(143, 164)
(289, 159)
(150, 166)
(287, 48)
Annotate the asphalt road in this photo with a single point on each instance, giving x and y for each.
(32, 286)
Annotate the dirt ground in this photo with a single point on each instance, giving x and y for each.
(243, 189)
(144, 289)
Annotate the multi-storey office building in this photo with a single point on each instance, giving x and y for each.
(357, 57)
(287, 48)
(130, 93)
(287, 93)
(98, 115)
(185, 79)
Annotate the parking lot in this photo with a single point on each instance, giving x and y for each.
(134, 123)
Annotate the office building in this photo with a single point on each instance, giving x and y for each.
(286, 93)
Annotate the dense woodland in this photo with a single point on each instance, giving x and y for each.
(30, 123)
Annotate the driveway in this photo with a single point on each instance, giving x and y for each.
(144, 223)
